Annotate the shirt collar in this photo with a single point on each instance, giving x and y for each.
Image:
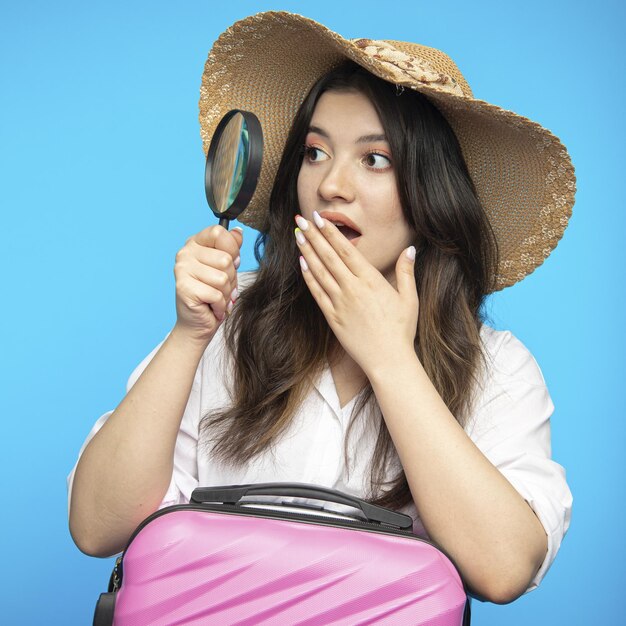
(325, 385)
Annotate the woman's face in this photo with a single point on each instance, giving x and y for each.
(347, 176)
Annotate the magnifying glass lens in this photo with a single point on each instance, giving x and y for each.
(239, 168)
(233, 164)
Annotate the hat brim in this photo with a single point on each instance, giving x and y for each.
(267, 63)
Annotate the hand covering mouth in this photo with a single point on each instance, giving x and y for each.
(345, 226)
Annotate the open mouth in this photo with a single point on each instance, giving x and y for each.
(343, 224)
(347, 232)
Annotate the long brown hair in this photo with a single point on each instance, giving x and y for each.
(278, 337)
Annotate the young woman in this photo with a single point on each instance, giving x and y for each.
(356, 357)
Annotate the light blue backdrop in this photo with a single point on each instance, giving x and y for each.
(101, 182)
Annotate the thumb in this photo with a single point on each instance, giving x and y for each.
(237, 233)
(405, 274)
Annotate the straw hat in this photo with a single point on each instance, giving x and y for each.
(267, 63)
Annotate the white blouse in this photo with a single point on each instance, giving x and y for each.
(510, 424)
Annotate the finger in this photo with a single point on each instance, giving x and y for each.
(405, 274)
(331, 259)
(237, 233)
(195, 293)
(230, 241)
(218, 279)
(315, 266)
(341, 245)
(319, 294)
(209, 265)
(220, 238)
(216, 259)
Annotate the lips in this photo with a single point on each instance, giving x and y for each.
(345, 225)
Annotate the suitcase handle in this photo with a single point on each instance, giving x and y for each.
(232, 494)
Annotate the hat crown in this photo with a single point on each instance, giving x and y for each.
(438, 60)
(408, 68)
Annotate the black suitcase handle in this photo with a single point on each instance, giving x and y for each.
(105, 610)
(232, 494)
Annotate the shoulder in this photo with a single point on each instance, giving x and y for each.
(510, 389)
(506, 357)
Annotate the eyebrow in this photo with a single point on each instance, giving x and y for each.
(364, 139)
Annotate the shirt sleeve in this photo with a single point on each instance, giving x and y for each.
(511, 426)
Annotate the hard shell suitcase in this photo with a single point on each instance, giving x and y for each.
(222, 561)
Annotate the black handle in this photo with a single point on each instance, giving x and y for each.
(232, 494)
(105, 609)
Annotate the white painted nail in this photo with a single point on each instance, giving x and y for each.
(237, 262)
(303, 264)
(300, 237)
(318, 220)
(410, 252)
(302, 223)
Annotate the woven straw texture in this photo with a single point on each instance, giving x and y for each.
(524, 177)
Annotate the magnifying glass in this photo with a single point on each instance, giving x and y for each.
(233, 164)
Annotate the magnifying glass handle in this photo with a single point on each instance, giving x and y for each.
(224, 221)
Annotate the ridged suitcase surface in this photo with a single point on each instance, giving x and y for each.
(190, 566)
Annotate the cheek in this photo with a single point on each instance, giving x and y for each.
(389, 214)
(301, 188)
(306, 189)
(393, 223)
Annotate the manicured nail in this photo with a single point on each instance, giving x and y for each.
(299, 236)
(237, 262)
(302, 223)
(239, 229)
(233, 294)
(318, 220)
(410, 252)
(303, 264)
(229, 308)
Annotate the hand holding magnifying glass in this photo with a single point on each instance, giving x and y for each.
(233, 165)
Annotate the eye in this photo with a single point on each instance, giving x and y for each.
(314, 154)
(377, 161)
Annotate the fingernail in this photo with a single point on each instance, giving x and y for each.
(233, 294)
(303, 264)
(318, 220)
(299, 236)
(410, 252)
(302, 223)
(237, 262)
(239, 229)
(229, 308)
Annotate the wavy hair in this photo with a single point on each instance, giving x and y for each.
(278, 337)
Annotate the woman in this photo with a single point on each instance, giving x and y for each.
(356, 357)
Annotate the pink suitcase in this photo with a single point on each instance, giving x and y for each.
(220, 561)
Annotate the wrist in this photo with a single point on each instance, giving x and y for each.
(387, 366)
(191, 339)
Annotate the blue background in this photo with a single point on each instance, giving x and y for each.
(101, 174)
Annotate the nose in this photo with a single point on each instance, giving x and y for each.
(337, 183)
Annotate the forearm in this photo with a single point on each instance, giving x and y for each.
(465, 503)
(125, 470)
